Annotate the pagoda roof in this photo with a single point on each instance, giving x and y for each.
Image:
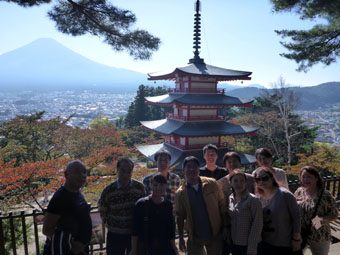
(177, 155)
(204, 128)
(201, 69)
(198, 99)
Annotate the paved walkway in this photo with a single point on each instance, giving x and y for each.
(334, 250)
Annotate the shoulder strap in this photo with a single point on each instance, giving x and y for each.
(317, 204)
(314, 213)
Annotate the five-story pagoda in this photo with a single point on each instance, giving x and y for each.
(196, 101)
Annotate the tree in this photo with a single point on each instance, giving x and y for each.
(138, 135)
(324, 157)
(31, 183)
(282, 131)
(30, 138)
(102, 19)
(119, 123)
(80, 143)
(139, 111)
(286, 104)
(101, 122)
(318, 44)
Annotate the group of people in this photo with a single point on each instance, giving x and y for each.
(222, 210)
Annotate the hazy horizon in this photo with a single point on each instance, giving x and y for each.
(235, 35)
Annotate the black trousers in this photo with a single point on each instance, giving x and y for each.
(118, 244)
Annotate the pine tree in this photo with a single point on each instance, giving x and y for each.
(320, 44)
(99, 18)
(139, 111)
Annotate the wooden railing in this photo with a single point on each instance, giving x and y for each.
(35, 220)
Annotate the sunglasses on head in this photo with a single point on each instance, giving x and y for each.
(263, 179)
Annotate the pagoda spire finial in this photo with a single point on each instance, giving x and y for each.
(197, 35)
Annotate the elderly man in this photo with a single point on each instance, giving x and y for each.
(200, 203)
(163, 159)
(211, 169)
(116, 205)
(67, 222)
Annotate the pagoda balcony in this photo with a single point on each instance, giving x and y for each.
(195, 118)
(197, 90)
(195, 146)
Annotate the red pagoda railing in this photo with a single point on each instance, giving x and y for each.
(197, 90)
(194, 118)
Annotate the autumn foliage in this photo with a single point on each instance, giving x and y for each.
(323, 157)
(29, 178)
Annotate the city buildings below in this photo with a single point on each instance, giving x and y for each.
(83, 106)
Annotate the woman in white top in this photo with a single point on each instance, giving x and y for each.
(245, 212)
(264, 158)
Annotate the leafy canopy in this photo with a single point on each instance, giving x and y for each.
(324, 157)
(100, 18)
(321, 43)
(139, 110)
(272, 133)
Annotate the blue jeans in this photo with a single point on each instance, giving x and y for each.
(117, 244)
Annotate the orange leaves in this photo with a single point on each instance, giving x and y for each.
(325, 158)
(27, 181)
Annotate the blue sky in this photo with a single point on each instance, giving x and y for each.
(235, 34)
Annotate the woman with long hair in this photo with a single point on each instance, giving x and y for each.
(245, 213)
(318, 209)
(281, 215)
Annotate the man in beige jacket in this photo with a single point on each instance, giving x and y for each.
(201, 210)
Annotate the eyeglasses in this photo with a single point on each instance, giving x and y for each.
(263, 179)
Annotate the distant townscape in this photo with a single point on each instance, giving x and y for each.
(46, 76)
(83, 106)
(328, 121)
(87, 105)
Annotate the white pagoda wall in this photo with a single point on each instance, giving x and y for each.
(203, 112)
(202, 85)
(202, 82)
(202, 140)
(195, 78)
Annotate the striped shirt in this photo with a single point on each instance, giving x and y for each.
(116, 206)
